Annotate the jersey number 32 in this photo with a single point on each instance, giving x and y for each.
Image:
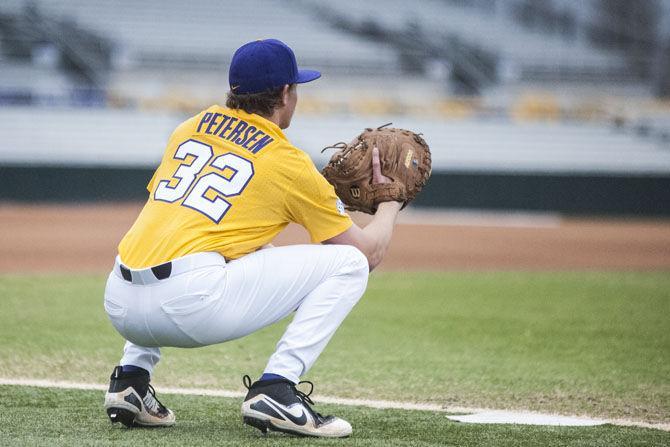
(240, 169)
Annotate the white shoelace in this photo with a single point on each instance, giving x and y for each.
(150, 402)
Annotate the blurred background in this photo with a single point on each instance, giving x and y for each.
(529, 106)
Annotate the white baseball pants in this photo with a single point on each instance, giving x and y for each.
(206, 301)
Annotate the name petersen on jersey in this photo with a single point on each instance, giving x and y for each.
(235, 130)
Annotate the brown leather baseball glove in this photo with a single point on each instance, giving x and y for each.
(405, 159)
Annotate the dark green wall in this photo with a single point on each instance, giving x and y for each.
(66, 184)
(570, 194)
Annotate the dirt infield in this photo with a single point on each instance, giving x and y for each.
(83, 238)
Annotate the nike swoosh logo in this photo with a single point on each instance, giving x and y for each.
(297, 420)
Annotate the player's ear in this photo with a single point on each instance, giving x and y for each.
(284, 94)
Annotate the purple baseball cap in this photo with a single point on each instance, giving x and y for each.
(264, 65)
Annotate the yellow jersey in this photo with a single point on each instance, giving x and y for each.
(229, 182)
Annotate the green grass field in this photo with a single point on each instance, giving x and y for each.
(58, 417)
(576, 343)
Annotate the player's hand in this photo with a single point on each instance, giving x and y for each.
(377, 176)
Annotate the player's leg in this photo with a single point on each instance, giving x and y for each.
(140, 356)
(319, 314)
(323, 283)
(130, 399)
(320, 283)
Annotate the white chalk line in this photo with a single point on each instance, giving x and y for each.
(369, 403)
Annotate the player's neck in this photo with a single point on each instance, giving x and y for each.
(278, 117)
(272, 118)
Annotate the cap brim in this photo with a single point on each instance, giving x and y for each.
(307, 76)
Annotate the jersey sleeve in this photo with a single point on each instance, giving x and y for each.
(312, 203)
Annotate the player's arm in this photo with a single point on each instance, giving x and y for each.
(373, 240)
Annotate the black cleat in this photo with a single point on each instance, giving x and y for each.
(132, 401)
(278, 406)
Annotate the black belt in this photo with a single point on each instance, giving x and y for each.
(162, 271)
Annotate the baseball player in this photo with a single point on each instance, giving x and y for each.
(197, 268)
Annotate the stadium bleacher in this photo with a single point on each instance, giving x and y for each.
(206, 33)
(523, 53)
(123, 138)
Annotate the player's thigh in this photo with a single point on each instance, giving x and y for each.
(267, 285)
